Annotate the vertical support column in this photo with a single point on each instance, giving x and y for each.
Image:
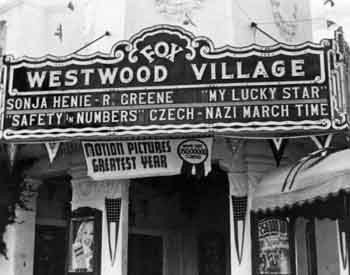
(231, 156)
(89, 193)
(342, 244)
(24, 231)
(124, 236)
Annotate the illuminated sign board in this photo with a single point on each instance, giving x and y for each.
(164, 80)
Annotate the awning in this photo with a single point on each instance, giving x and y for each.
(328, 177)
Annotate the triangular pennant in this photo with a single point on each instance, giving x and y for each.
(113, 211)
(322, 142)
(347, 139)
(344, 232)
(12, 150)
(342, 242)
(330, 23)
(239, 208)
(277, 142)
(52, 149)
(235, 145)
(278, 146)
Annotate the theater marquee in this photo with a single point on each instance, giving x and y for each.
(165, 80)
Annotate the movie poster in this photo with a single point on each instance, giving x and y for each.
(274, 250)
(82, 236)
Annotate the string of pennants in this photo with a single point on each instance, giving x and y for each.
(277, 145)
(52, 148)
(239, 204)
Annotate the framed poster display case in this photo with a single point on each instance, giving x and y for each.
(273, 250)
(84, 247)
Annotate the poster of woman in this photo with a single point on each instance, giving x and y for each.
(82, 245)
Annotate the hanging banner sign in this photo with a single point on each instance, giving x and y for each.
(274, 250)
(166, 80)
(146, 158)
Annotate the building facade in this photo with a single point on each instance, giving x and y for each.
(229, 219)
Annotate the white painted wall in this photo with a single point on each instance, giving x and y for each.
(22, 31)
(31, 26)
(20, 237)
(284, 20)
(32, 23)
(228, 22)
(204, 17)
(24, 242)
(7, 265)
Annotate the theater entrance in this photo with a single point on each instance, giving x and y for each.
(179, 225)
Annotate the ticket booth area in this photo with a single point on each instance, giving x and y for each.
(176, 225)
(179, 225)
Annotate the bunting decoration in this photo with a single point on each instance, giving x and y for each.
(330, 23)
(235, 145)
(278, 146)
(347, 139)
(113, 210)
(343, 242)
(239, 205)
(52, 149)
(344, 232)
(12, 150)
(322, 141)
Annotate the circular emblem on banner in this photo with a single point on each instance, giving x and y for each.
(193, 151)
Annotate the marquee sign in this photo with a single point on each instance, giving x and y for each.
(165, 81)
